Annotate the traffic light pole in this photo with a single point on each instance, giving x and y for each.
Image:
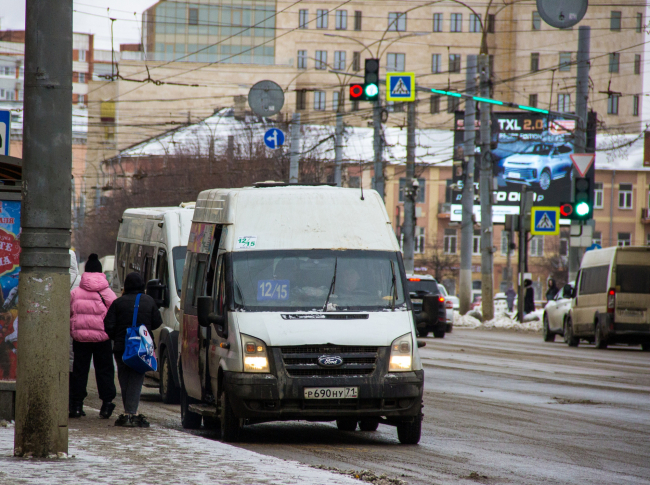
(294, 157)
(379, 159)
(338, 148)
(410, 193)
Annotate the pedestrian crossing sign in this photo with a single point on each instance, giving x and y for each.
(400, 86)
(545, 221)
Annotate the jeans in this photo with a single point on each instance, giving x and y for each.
(131, 385)
(101, 353)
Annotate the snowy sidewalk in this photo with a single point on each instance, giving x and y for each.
(103, 454)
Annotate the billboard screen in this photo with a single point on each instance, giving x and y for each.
(527, 149)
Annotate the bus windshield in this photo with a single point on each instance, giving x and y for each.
(317, 280)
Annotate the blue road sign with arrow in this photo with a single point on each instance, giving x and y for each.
(274, 138)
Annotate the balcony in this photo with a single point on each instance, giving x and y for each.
(444, 210)
(645, 216)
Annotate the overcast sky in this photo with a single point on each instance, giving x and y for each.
(90, 16)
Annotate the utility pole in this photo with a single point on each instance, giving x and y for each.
(523, 230)
(485, 186)
(580, 140)
(379, 158)
(294, 156)
(467, 224)
(338, 148)
(410, 192)
(44, 282)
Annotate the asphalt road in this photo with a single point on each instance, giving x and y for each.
(500, 407)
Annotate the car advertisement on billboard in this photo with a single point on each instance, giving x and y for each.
(527, 149)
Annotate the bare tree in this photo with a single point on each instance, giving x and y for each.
(441, 264)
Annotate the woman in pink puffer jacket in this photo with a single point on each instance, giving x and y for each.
(89, 304)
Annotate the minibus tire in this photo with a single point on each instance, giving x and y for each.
(230, 424)
(369, 424)
(568, 334)
(409, 433)
(189, 420)
(422, 332)
(438, 334)
(169, 393)
(546, 331)
(599, 341)
(346, 424)
(211, 422)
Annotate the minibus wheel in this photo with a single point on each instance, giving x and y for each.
(346, 424)
(230, 424)
(369, 424)
(409, 433)
(568, 334)
(169, 393)
(546, 331)
(599, 341)
(438, 334)
(189, 420)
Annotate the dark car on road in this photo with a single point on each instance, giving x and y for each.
(429, 310)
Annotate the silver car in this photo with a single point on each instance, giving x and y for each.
(539, 163)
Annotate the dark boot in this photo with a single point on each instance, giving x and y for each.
(141, 421)
(121, 420)
(107, 410)
(76, 410)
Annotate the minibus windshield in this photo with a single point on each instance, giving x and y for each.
(317, 280)
(178, 254)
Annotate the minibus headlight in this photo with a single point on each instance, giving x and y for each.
(255, 356)
(401, 355)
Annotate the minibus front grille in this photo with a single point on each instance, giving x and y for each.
(302, 361)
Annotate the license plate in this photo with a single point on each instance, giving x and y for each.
(514, 175)
(631, 313)
(331, 392)
(416, 300)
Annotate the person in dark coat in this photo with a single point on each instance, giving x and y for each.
(529, 297)
(118, 319)
(552, 289)
(511, 294)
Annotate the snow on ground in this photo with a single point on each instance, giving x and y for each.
(154, 456)
(502, 320)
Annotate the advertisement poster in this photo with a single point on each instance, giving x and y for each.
(9, 270)
(528, 149)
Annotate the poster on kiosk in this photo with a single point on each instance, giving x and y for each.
(9, 271)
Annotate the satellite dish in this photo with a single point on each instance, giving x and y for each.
(562, 14)
(266, 98)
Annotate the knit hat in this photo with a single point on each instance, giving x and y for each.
(133, 283)
(93, 265)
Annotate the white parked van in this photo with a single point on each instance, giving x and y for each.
(294, 308)
(611, 301)
(153, 242)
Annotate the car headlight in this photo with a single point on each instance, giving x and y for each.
(401, 355)
(255, 356)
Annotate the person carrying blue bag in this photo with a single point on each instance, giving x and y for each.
(122, 316)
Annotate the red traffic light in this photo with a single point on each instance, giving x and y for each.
(356, 92)
(566, 210)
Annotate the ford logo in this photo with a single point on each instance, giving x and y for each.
(330, 361)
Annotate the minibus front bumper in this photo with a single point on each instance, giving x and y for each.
(280, 395)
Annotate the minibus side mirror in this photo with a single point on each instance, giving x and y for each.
(157, 291)
(206, 317)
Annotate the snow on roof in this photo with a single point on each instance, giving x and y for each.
(434, 147)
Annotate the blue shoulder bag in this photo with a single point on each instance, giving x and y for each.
(139, 351)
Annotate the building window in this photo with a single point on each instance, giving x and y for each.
(450, 241)
(356, 61)
(564, 247)
(321, 19)
(456, 22)
(82, 55)
(437, 22)
(302, 59)
(639, 22)
(321, 60)
(454, 63)
(475, 23)
(21, 93)
(532, 100)
(612, 104)
(597, 238)
(434, 104)
(491, 23)
(436, 66)
(534, 62)
(636, 101)
(598, 195)
(82, 98)
(301, 99)
(397, 21)
(357, 20)
(615, 21)
(637, 63)
(419, 240)
(421, 192)
(82, 77)
(563, 102)
(537, 21)
(565, 61)
(624, 239)
(453, 104)
(476, 242)
(336, 99)
(319, 100)
(303, 18)
(193, 16)
(625, 196)
(339, 60)
(341, 20)
(395, 62)
(536, 247)
(614, 61)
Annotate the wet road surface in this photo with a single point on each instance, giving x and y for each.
(500, 407)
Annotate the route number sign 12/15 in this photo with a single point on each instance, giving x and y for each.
(246, 242)
(272, 290)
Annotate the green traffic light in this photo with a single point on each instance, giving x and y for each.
(372, 90)
(582, 209)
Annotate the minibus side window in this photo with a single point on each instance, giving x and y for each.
(199, 283)
(162, 270)
(190, 282)
(218, 294)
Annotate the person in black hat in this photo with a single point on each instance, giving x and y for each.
(118, 319)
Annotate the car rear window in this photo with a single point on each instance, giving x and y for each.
(633, 279)
(429, 286)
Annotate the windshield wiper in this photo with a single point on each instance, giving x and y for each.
(393, 286)
(336, 261)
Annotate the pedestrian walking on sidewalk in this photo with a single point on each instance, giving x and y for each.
(552, 290)
(511, 294)
(529, 297)
(118, 319)
(89, 303)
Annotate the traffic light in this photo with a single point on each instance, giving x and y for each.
(371, 80)
(583, 207)
(356, 92)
